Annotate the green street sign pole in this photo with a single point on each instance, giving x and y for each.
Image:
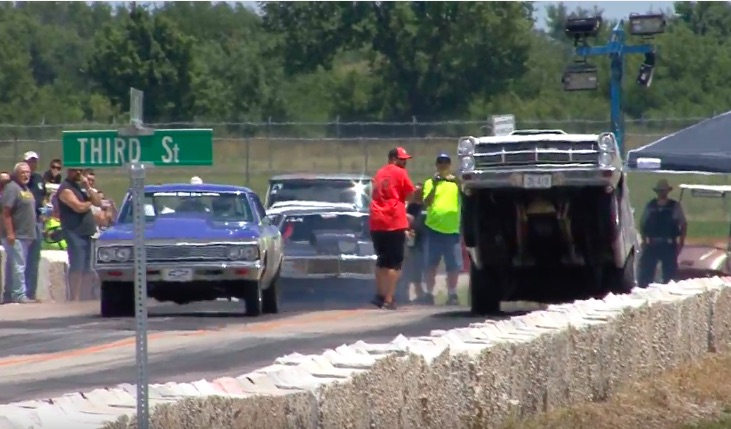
(130, 137)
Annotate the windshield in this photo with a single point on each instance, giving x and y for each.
(330, 191)
(207, 205)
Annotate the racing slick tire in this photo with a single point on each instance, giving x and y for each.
(117, 299)
(485, 292)
(253, 299)
(625, 279)
(270, 297)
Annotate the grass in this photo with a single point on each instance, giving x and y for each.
(697, 396)
(251, 162)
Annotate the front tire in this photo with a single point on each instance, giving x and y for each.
(117, 299)
(253, 300)
(270, 297)
(485, 291)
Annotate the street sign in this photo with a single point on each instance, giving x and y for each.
(106, 148)
(502, 125)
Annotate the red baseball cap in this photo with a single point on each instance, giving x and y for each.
(398, 153)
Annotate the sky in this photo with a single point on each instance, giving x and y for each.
(612, 9)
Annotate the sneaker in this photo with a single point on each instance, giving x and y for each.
(25, 300)
(377, 301)
(425, 299)
(390, 306)
(452, 300)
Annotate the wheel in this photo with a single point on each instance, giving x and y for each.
(485, 291)
(253, 299)
(467, 221)
(624, 279)
(270, 297)
(117, 299)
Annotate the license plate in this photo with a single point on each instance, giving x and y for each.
(177, 275)
(537, 181)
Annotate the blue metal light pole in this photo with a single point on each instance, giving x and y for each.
(616, 49)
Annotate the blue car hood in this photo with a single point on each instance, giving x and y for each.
(185, 228)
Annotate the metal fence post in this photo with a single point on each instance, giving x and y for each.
(269, 143)
(339, 144)
(365, 150)
(247, 151)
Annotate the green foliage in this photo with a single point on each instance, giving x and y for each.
(66, 62)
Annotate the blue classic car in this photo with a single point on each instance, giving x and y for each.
(203, 242)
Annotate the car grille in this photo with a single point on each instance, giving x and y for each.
(533, 153)
(186, 253)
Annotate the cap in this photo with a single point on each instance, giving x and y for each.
(443, 156)
(398, 153)
(195, 180)
(30, 155)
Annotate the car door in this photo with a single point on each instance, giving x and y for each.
(271, 238)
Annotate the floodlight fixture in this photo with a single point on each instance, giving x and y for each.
(580, 77)
(647, 25)
(578, 28)
(647, 70)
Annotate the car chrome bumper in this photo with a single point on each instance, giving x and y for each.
(329, 267)
(560, 176)
(201, 271)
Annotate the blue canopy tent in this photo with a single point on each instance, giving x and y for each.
(701, 148)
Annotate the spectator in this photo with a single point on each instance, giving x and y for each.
(75, 200)
(19, 229)
(53, 174)
(413, 272)
(101, 213)
(38, 188)
(4, 179)
(52, 234)
(389, 225)
(663, 227)
(441, 227)
(195, 180)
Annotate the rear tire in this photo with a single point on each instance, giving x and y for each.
(117, 299)
(485, 291)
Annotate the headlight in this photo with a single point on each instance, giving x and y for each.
(114, 254)
(606, 159)
(123, 254)
(105, 254)
(467, 163)
(249, 253)
(466, 147)
(607, 142)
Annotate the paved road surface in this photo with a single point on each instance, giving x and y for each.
(50, 349)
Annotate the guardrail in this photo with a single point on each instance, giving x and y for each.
(478, 376)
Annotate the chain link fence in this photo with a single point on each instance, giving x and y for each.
(250, 152)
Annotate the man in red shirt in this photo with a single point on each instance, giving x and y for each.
(389, 224)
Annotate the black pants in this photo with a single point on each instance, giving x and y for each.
(664, 253)
(389, 248)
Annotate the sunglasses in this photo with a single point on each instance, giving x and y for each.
(55, 167)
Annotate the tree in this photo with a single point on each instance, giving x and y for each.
(150, 53)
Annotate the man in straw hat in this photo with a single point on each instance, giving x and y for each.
(663, 228)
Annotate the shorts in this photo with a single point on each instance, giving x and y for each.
(438, 245)
(389, 247)
(79, 252)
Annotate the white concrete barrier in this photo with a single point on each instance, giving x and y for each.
(477, 376)
(52, 278)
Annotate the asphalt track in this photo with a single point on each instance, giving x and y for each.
(50, 349)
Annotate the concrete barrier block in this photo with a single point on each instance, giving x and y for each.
(343, 404)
